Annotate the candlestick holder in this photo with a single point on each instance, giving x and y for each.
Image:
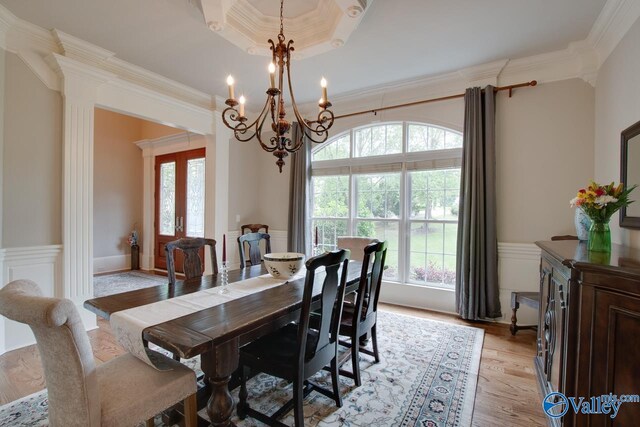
(224, 278)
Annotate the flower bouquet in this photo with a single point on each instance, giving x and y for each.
(599, 203)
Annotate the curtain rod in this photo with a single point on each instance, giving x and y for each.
(444, 98)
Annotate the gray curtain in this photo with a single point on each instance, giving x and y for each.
(297, 239)
(477, 293)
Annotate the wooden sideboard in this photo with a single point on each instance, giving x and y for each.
(589, 328)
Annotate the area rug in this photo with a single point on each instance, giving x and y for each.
(125, 281)
(426, 377)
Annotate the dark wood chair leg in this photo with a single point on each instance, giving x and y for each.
(514, 320)
(335, 381)
(355, 361)
(374, 341)
(298, 398)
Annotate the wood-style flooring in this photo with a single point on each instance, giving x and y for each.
(507, 392)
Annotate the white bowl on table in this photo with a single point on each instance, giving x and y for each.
(283, 265)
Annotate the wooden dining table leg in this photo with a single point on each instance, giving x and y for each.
(218, 364)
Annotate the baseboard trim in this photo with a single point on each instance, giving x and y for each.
(111, 264)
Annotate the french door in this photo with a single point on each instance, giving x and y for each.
(179, 197)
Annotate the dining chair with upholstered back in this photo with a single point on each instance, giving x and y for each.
(253, 228)
(356, 245)
(297, 352)
(251, 241)
(359, 318)
(192, 264)
(121, 392)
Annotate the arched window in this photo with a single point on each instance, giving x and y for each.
(397, 181)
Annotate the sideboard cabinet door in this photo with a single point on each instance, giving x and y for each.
(612, 327)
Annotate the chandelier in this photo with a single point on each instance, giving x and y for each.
(280, 144)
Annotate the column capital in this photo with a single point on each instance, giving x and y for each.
(79, 82)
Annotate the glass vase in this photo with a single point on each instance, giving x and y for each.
(599, 237)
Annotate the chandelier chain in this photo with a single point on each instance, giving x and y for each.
(282, 17)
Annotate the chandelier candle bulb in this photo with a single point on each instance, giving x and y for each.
(230, 82)
(242, 102)
(272, 75)
(323, 84)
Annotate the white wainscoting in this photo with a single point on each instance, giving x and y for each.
(42, 264)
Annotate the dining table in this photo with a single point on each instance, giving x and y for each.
(217, 333)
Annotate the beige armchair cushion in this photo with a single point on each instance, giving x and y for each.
(131, 388)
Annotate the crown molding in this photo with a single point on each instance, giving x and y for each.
(614, 21)
(73, 47)
(325, 28)
(484, 74)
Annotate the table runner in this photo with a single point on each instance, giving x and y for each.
(128, 325)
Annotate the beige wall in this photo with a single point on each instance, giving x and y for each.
(117, 182)
(32, 159)
(245, 184)
(618, 107)
(152, 130)
(544, 154)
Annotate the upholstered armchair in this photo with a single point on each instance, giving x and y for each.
(121, 392)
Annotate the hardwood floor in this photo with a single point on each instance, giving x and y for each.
(506, 395)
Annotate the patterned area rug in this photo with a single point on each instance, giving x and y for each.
(427, 377)
(123, 282)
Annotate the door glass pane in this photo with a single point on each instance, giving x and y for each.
(195, 198)
(168, 198)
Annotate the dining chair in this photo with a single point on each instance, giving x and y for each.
(192, 264)
(356, 245)
(251, 241)
(254, 228)
(297, 352)
(359, 318)
(121, 392)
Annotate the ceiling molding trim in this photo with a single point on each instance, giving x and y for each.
(325, 28)
(177, 142)
(41, 68)
(614, 21)
(73, 47)
(484, 74)
(544, 68)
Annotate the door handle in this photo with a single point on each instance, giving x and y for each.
(179, 223)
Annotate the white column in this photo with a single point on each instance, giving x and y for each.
(217, 185)
(148, 205)
(80, 86)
